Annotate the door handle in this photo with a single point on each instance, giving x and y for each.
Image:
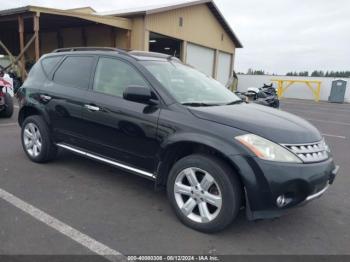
(45, 98)
(92, 108)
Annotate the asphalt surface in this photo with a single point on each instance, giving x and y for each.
(123, 212)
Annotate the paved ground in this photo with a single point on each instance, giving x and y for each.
(123, 212)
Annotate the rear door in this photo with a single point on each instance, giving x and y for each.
(116, 128)
(65, 94)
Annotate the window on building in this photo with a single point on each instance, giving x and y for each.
(181, 21)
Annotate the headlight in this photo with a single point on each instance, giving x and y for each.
(267, 150)
(325, 145)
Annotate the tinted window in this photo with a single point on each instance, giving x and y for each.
(49, 63)
(114, 76)
(74, 71)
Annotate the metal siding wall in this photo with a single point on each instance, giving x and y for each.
(122, 39)
(199, 26)
(201, 58)
(138, 34)
(98, 35)
(48, 42)
(71, 37)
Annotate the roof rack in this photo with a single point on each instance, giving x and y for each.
(153, 54)
(132, 53)
(72, 49)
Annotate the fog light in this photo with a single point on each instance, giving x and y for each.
(281, 201)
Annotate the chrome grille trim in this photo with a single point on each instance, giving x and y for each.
(309, 153)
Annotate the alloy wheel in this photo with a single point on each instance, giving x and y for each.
(197, 195)
(32, 139)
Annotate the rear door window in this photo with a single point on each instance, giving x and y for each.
(75, 71)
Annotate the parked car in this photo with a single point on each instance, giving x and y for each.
(151, 115)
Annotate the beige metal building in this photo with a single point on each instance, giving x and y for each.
(196, 32)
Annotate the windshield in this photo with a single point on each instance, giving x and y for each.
(190, 86)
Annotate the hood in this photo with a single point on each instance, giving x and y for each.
(275, 125)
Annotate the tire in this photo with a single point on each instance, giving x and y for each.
(39, 133)
(8, 110)
(224, 184)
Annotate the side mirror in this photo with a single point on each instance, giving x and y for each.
(139, 94)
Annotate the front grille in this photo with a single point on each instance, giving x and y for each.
(308, 153)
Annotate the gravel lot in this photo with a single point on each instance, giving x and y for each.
(124, 213)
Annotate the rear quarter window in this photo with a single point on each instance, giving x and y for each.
(75, 71)
(35, 75)
(50, 63)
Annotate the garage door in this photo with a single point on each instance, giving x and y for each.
(224, 66)
(201, 58)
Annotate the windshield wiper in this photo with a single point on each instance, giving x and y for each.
(197, 104)
(235, 102)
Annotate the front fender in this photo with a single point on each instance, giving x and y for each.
(221, 145)
(172, 148)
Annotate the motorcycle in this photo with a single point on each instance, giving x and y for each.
(6, 101)
(17, 81)
(265, 95)
(269, 89)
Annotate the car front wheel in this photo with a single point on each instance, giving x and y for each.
(204, 192)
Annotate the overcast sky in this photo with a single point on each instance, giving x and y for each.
(278, 35)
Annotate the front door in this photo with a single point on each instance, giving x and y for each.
(116, 128)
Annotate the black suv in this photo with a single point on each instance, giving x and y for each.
(152, 115)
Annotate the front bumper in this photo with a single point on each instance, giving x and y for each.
(266, 181)
(322, 191)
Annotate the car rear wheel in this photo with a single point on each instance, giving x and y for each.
(204, 192)
(36, 140)
(8, 109)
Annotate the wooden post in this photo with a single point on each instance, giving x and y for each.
(13, 59)
(21, 44)
(36, 32)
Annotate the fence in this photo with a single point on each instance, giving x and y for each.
(299, 91)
